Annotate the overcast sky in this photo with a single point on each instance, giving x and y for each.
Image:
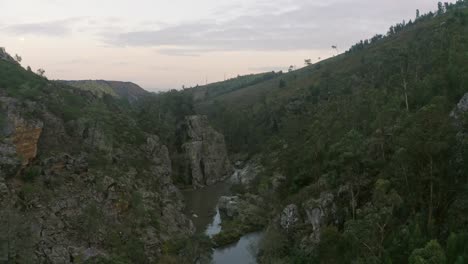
(166, 44)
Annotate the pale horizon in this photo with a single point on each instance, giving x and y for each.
(160, 45)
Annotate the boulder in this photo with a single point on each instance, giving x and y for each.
(229, 205)
(289, 217)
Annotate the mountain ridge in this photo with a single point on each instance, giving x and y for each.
(121, 89)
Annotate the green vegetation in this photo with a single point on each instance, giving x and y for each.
(212, 90)
(98, 88)
(375, 123)
(372, 126)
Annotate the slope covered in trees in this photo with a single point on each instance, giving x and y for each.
(374, 128)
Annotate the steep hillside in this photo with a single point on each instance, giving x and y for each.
(213, 90)
(370, 147)
(125, 90)
(80, 180)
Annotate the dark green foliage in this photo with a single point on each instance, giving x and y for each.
(31, 173)
(457, 248)
(374, 123)
(432, 253)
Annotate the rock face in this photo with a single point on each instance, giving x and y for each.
(19, 136)
(206, 154)
(229, 205)
(248, 172)
(290, 217)
(462, 107)
(320, 212)
(59, 208)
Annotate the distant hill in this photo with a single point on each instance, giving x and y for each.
(212, 90)
(127, 90)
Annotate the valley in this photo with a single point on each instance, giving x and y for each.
(359, 158)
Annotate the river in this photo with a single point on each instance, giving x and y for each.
(203, 210)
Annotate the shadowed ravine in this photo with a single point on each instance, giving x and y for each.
(201, 206)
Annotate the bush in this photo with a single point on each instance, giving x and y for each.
(30, 174)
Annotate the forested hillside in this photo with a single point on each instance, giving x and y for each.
(360, 158)
(372, 145)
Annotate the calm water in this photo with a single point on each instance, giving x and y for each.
(243, 252)
(203, 210)
(203, 203)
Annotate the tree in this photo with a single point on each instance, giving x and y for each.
(404, 65)
(431, 253)
(291, 68)
(370, 229)
(29, 69)
(418, 14)
(282, 83)
(335, 47)
(308, 62)
(40, 72)
(440, 8)
(18, 58)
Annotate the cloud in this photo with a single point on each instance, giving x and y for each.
(56, 28)
(306, 24)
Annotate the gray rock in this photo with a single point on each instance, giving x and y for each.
(206, 153)
(462, 107)
(248, 172)
(277, 180)
(229, 205)
(289, 217)
(320, 212)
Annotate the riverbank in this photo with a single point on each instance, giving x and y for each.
(235, 240)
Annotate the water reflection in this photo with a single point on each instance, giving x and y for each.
(244, 251)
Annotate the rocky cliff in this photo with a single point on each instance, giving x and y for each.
(207, 161)
(85, 200)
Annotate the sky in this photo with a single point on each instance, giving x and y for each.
(163, 45)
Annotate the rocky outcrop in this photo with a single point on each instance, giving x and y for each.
(206, 154)
(229, 205)
(461, 108)
(320, 212)
(59, 209)
(19, 136)
(91, 134)
(248, 172)
(290, 217)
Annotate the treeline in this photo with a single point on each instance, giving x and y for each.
(442, 8)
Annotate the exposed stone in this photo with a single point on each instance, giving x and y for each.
(205, 149)
(229, 205)
(462, 107)
(248, 172)
(277, 180)
(289, 217)
(91, 134)
(19, 136)
(320, 212)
